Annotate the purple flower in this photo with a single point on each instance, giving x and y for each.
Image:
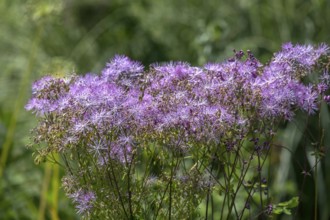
(107, 119)
(200, 102)
(41, 84)
(304, 55)
(83, 200)
(122, 70)
(121, 152)
(327, 99)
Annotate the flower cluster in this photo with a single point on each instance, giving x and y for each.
(108, 120)
(83, 200)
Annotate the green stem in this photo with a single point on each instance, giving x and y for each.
(231, 174)
(55, 191)
(44, 190)
(225, 197)
(208, 193)
(260, 187)
(129, 187)
(116, 185)
(117, 188)
(171, 180)
(316, 187)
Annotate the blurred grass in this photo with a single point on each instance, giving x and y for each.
(22, 28)
(39, 37)
(19, 103)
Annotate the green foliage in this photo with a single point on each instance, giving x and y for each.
(285, 207)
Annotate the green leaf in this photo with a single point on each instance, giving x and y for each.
(294, 202)
(291, 203)
(277, 210)
(287, 211)
(263, 186)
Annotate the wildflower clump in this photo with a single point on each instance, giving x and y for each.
(160, 142)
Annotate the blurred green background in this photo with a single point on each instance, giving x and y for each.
(59, 37)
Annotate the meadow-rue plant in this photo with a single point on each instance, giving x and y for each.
(167, 141)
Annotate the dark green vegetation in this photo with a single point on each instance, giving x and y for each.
(58, 37)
